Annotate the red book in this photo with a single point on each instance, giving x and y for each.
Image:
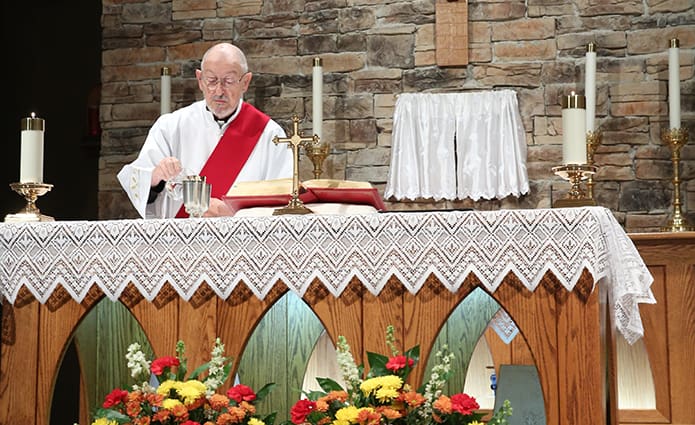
(277, 193)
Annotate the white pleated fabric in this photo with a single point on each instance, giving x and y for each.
(457, 146)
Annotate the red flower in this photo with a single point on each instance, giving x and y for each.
(399, 362)
(463, 404)
(301, 409)
(241, 393)
(115, 397)
(162, 363)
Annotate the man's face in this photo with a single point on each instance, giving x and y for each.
(223, 83)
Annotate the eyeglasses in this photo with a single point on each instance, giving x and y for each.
(211, 83)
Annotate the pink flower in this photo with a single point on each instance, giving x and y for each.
(399, 362)
(241, 393)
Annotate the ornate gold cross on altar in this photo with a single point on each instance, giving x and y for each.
(295, 206)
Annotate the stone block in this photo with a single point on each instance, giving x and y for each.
(644, 196)
(594, 8)
(317, 43)
(259, 47)
(384, 105)
(523, 29)
(363, 131)
(650, 169)
(508, 74)
(615, 173)
(238, 7)
(351, 42)
(392, 51)
(660, 6)
(653, 40)
(639, 108)
(621, 137)
(504, 11)
(377, 174)
(370, 156)
(525, 50)
(635, 91)
(551, 154)
(424, 38)
(644, 223)
(356, 18)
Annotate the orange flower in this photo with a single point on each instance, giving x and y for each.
(180, 412)
(368, 417)
(219, 401)
(413, 398)
(225, 419)
(389, 413)
(142, 421)
(162, 415)
(443, 404)
(322, 405)
(324, 421)
(248, 407)
(237, 414)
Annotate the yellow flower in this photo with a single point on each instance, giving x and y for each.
(346, 415)
(191, 390)
(104, 421)
(165, 387)
(255, 421)
(386, 394)
(170, 403)
(390, 382)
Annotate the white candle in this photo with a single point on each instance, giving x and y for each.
(317, 98)
(674, 88)
(165, 103)
(31, 152)
(573, 129)
(590, 86)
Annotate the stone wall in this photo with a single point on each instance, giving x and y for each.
(372, 50)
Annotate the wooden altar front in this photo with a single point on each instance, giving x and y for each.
(564, 328)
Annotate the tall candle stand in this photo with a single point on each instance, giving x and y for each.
(575, 174)
(676, 138)
(317, 154)
(593, 140)
(30, 192)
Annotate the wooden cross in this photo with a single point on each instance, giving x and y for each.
(451, 32)
(295, 206)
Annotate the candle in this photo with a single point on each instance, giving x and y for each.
(590, 86)
(674, 88)
(573, 129)
(165, 104)
(317, 98)
(31, 152)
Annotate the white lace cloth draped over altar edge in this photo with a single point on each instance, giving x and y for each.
(457, 146)
(334, 248)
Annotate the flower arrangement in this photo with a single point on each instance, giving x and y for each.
(181, 400)
(383, 397)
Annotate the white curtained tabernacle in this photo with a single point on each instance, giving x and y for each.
(223, 252)
(457, 146)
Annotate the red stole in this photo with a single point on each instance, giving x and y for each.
(232, 151)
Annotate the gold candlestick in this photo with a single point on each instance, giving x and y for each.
(676, 138)
(575, 173)
(317, 154)
(30, 192)
(593, 140)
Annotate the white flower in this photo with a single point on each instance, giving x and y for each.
(137, 362)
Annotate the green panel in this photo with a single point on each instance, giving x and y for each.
(265, 357)
(461, 332)
(102, 341)
(304, 331)
(278, 351)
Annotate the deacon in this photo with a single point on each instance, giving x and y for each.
(222, 138)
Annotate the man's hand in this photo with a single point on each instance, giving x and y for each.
(218, 208)
(167, 168)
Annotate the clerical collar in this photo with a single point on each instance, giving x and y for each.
(221, 121)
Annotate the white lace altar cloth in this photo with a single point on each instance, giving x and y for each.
(334, 248)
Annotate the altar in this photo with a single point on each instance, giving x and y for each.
(567, 277)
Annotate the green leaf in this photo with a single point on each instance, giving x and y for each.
(328, 385)
(270, 419)
(200, 369)
(377, 364)
(112, 415)
(263, 392)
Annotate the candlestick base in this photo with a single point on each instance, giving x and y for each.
(317, 154)
(575, 173)
(295, 206)
(676, 138)
(30, 192)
